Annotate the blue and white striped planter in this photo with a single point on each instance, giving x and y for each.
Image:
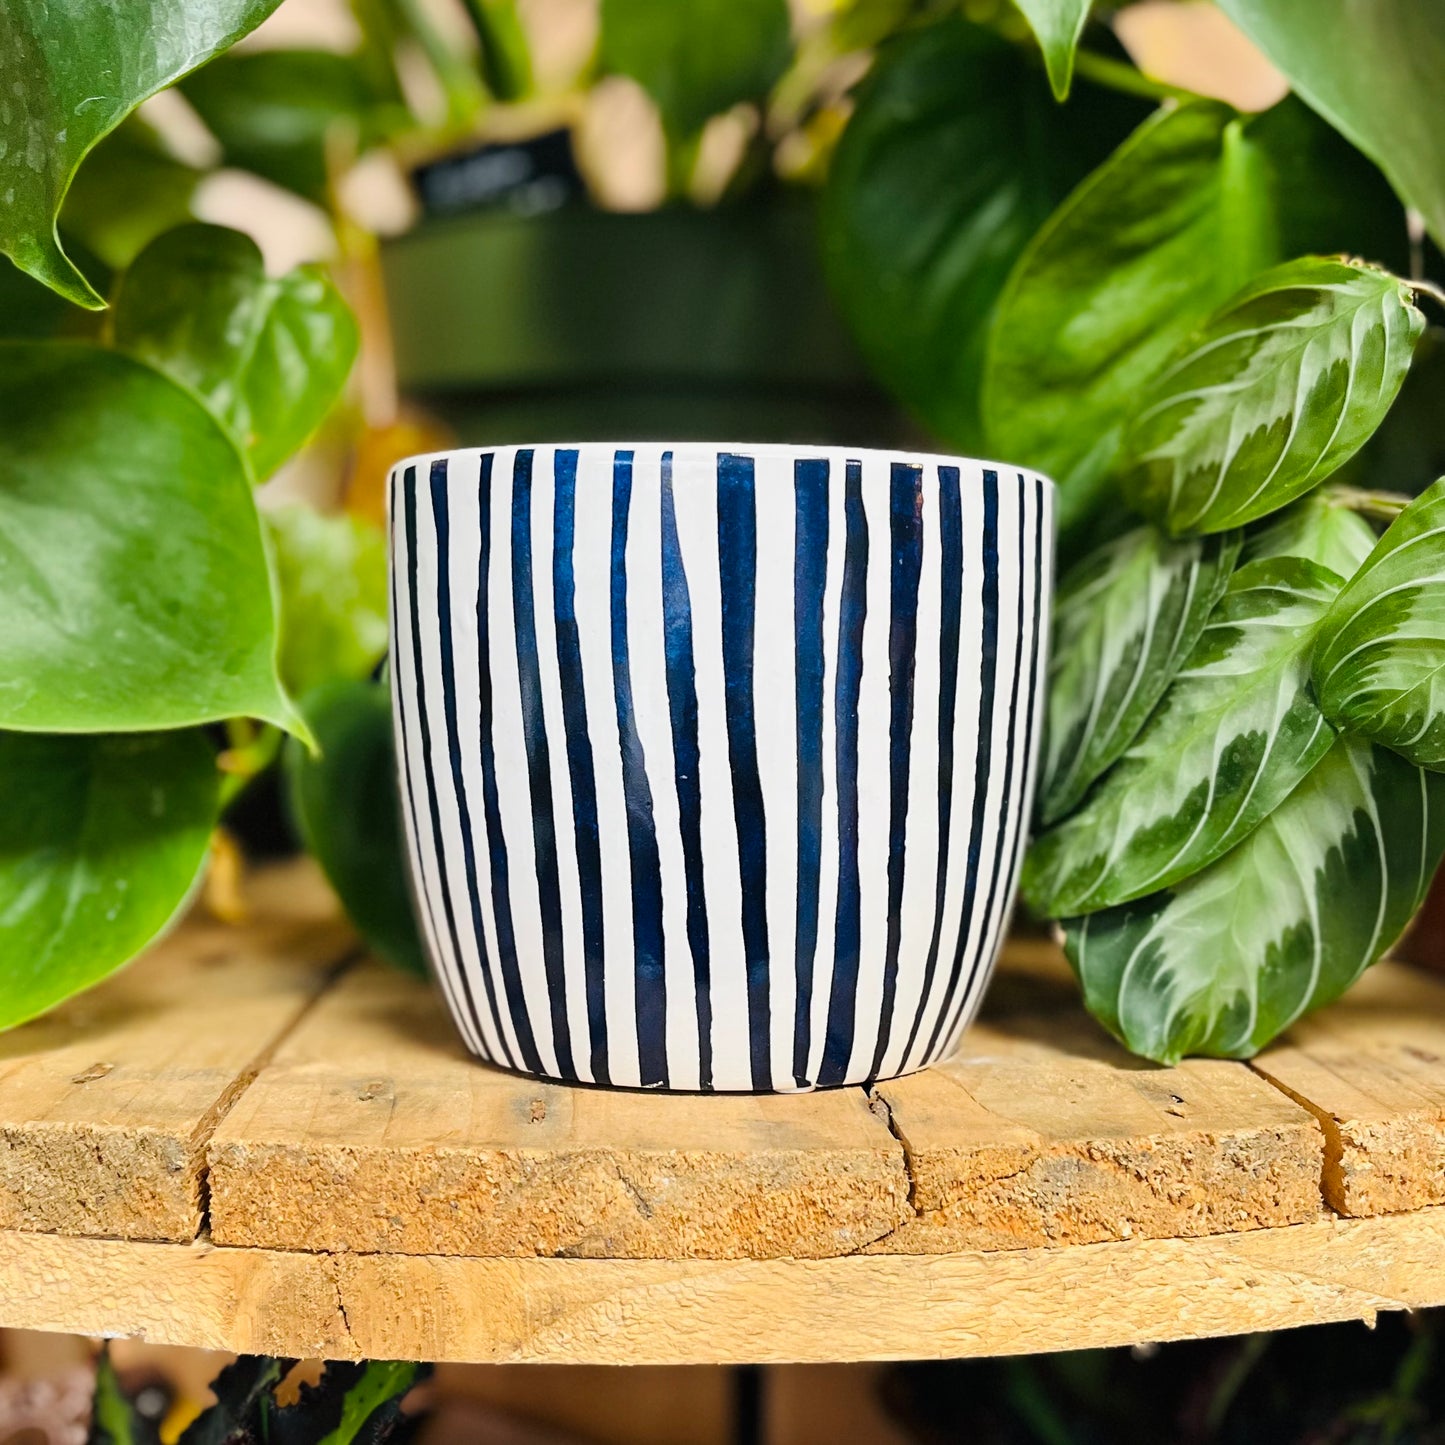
(716, 762)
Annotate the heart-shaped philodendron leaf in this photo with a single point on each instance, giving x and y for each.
(1222, 962)
(1124, 621)
(73, 72)
(101, 840)
(1320, 527)
(1380, 87)
(332, 576)
(1058, 25)
(1380, 663)
(134, 589)
(696, 58)
(346, 806)
(1278, 390)
(1193, 205)
(954, 156)
(1236, 733)
(268, 355)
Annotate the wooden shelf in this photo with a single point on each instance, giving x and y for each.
(256, 1140)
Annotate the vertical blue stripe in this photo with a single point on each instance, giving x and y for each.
(580, 765)
(650, 980)
(810, 571)
(441, 519)
(686, 760)
(496, 840)
(992, 901)
(983, 754)
(847, 928)
(409, 496)
(737, 527)
(905, 513)
(539, 761)
(950, 538)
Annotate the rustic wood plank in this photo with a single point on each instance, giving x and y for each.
(661, 1312)
(1372, 1069)
(1042, 1131)
(372, 1130)
(107, 1102)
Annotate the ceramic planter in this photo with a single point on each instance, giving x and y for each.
(716, 761)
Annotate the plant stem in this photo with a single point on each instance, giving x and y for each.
(1120, 75)
(1382, 506)
(1422, 287)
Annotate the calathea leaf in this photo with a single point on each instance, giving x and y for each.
(1276, 391)
(1379, 87)
(1058, 25)
(73, 73)
(268, 355)
(1321, 527)
(101, 840)
(1225, 960)
(1125, 618)
(134, 588)
(1192, 206)
(954, 156)
(1380, 663)
(1237, 731)
(346, 807)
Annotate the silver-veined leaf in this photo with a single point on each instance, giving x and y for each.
(1236, 733)
(1380, 664)
(1277, 390)
(1320, 527)
(1124, 621)
(1286, 922)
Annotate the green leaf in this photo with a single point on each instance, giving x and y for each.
(268, 355)
(375, 1397)
(346, 807)
(1058, 25)
(1193, 205)
(1286, 922)
(332, 576)
(276, 112)
(101, 840)
(74, 72)
(1125, 619)
(954, 156)
(1380, 664)
(114, 1420)
(129, 190)
(1236, 733)
(1373, 71)
(696, 58)
(1276, 391)
(134, 590)
(1321, 528)
(506, 57)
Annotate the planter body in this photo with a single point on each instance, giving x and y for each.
(675, 323)
(716, 762)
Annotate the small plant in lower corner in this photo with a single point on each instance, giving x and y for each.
(350, 1404)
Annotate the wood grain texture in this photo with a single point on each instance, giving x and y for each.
(1372, 1069)
(724, 1311)
(1041, 1131)
(371, 1130)
(107, 1102)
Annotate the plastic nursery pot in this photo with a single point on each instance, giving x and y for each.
(716, 760)
(675, 323)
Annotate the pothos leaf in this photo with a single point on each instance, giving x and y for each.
(1058, 25)
(1237, 731)
(101, 840)
(1276, 391)
(268, 355)
(1224, 961)
(73, 73)
(1320, 528)
(1124, 620)
(1380, 663)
